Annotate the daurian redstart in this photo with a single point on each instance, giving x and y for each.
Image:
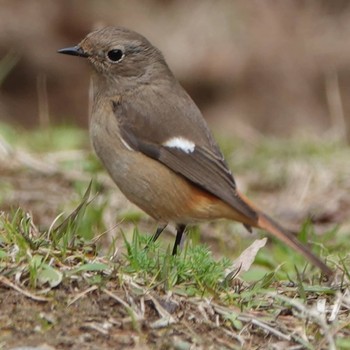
(155, 144)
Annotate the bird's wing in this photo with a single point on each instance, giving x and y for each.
(182, 144)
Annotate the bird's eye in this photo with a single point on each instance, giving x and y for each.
(115, 55)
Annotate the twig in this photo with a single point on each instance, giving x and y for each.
(249, 318)
(133, 313)
(80, 295)
(335, 104)
(102, 328)
(219, 311)
(311, 313)
(268, 328)
(8, 283)
(166, 318)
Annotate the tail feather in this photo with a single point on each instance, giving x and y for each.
(268, 224)
(271, 226)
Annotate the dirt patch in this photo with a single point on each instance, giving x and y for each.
(96, 321)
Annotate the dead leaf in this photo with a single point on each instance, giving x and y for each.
(246, 259)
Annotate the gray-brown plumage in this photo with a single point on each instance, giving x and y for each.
(154, 142)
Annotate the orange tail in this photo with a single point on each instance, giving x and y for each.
(276, 230)
(271, 226)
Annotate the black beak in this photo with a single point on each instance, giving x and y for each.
(74, 51)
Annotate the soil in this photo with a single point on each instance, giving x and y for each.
(96, 321)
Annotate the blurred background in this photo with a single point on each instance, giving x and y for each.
(254, 67)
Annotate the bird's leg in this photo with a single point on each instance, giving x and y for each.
(248, 228)
(179, 232)
(160, 229)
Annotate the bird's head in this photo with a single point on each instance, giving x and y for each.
(119, 52)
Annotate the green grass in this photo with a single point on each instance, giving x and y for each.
(42, 140)
(40, 256)
(192, 272)
(47, 258)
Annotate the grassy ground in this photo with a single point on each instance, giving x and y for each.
(75, 274)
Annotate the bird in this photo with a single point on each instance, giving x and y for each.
(155, 144)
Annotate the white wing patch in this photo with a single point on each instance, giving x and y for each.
(179, 142)
(126, 144)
